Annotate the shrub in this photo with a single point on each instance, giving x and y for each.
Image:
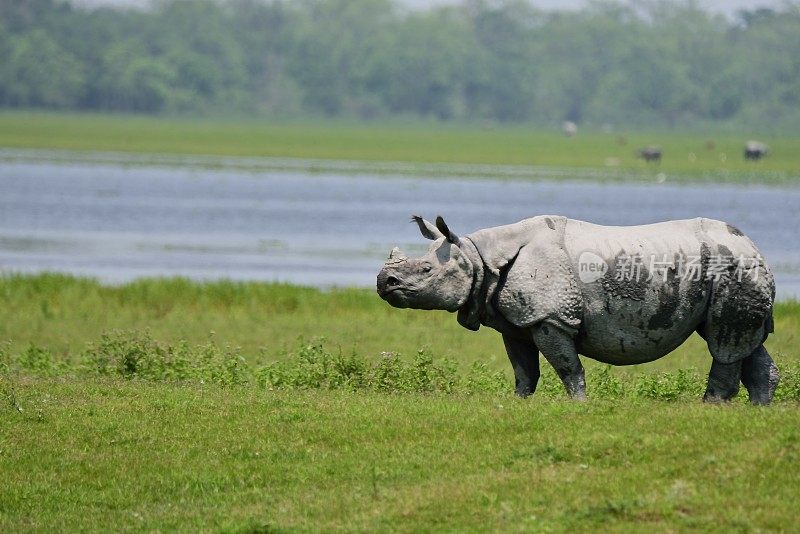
(669, 386)
(137, 355)
(603, 384)
(312, 365)
(480, 378)
(789, 386)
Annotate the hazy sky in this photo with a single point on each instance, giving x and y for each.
(723, 6)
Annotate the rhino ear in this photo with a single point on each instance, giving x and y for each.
(428, 230)
(442, 226)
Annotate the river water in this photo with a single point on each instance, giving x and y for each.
(117, 221)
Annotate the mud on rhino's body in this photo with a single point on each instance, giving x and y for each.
(621, 295)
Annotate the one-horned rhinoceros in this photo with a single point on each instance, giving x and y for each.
(618, 294)
(755, 150)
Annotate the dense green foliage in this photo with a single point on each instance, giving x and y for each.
(662, 63)
(136, 355)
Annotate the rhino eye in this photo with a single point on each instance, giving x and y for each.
(392, 281)
(426, 267)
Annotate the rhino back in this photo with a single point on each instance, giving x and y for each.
(653, 292)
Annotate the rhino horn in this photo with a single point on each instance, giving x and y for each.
(397, 255)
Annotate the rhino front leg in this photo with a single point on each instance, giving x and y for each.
(525, 361)
(559, 350)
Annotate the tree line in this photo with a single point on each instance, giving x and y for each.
(643, 63)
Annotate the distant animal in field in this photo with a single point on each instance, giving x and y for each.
(755, 150)
(621, 295)
(622, 140)
(650, 154)
(710, 144)
(569, 128)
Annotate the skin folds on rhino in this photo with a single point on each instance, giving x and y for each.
(620, 295)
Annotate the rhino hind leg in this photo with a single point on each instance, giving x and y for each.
(760, 376)
(559, 350)
(723, 381)
(524, 357)
(739, 316)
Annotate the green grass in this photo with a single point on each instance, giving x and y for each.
(401, 142)
(61, 313)
(138, 431)
(129, 455)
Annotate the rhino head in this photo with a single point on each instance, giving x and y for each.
(439, 280)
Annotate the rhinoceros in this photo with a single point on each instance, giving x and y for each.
(650, 153)
(755, 150)
(621, 295)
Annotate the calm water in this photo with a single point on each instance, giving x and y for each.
(119, 222)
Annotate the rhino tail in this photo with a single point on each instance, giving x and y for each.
(769, 325)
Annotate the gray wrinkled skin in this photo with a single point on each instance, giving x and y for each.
(527, 281)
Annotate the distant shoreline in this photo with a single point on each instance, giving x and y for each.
(393, 148)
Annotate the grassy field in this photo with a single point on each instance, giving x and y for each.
(684, 153)
(61, 313)
(141, 431)
(138, 456)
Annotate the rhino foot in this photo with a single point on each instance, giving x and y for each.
(760, 376)
(723, 382)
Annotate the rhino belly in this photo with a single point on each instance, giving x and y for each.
(625, 337)
(634, 321)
